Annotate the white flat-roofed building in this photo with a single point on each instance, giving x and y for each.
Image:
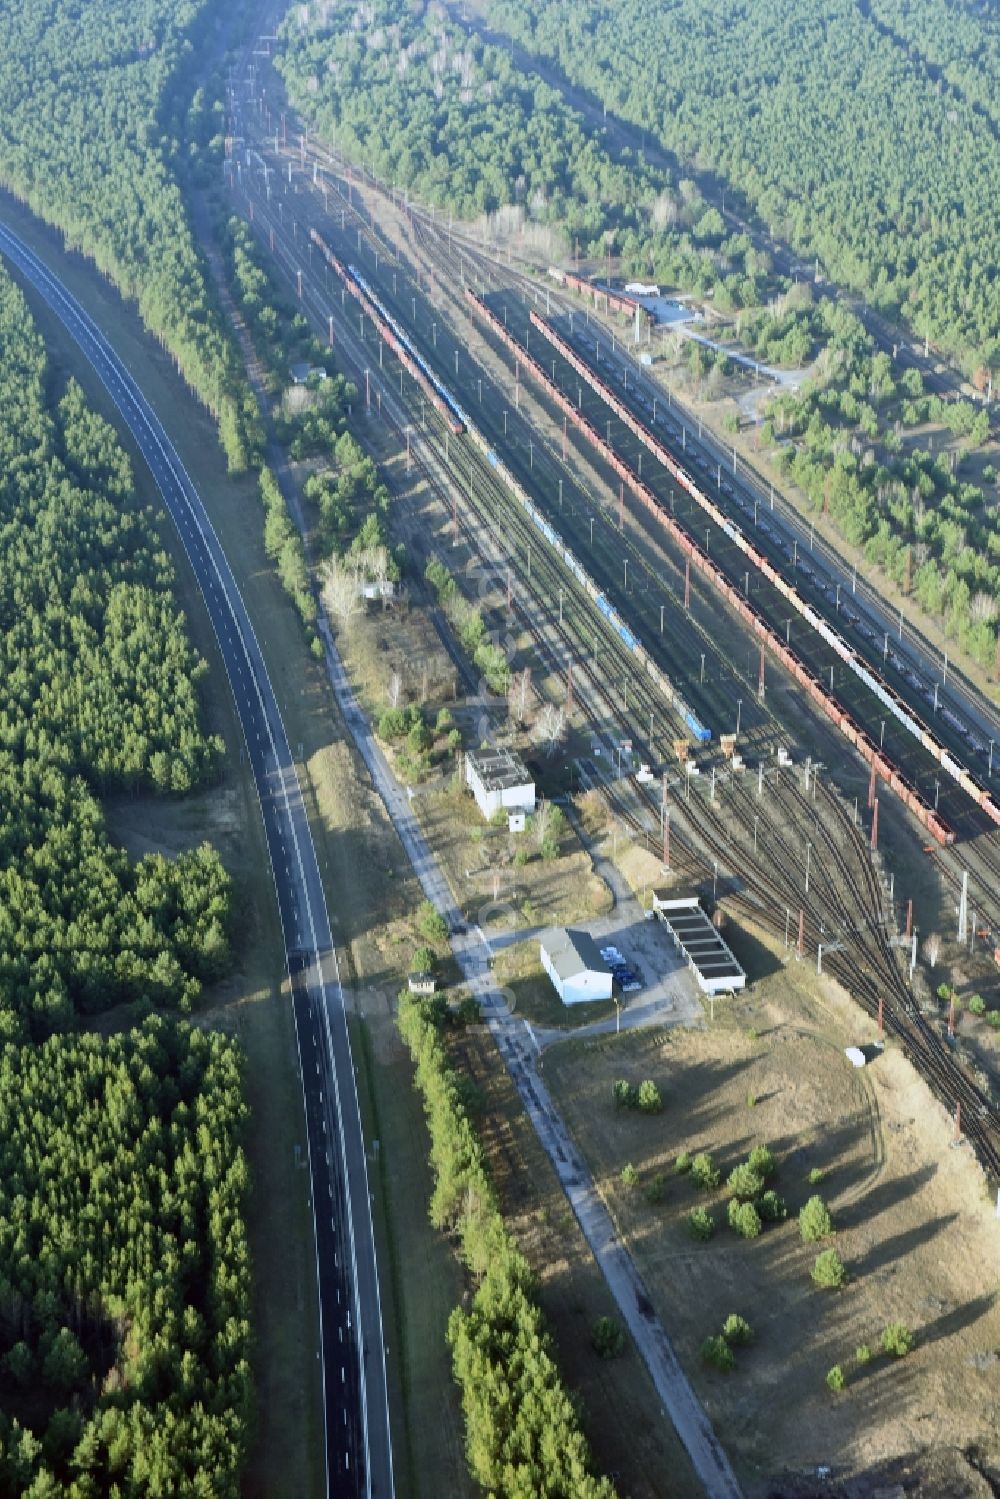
(578, 972)
(499, 781)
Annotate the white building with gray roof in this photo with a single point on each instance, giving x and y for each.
(578, 972)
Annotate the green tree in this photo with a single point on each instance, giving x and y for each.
(649, 1099)
(704, 1171)
(815, 1221)
(828, 1270)
(717, 1352)
(897, 1340)
(423, 960)
(745, 1183)
(701, 1224)
(744, 1219)
(608, 1338)
(430, 923)
(772, 1207)
(761, 1160)
(737, 1330)
(623, 1094)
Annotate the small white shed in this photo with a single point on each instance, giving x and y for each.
(578, 972)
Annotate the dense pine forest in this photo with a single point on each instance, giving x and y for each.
(124, 1278)
(92, 95)
(98, 690)
(123, 1261)
(436, 110)
(864, 134)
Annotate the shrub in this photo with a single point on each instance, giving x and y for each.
(814, 1221)
(423, 961)
(704, 1171)
(771, 1207)
(828, 1270)
(862, 1354)
(430, 923)
(649, 1100)
(737, 1330)
(657, 1189)
(608, 1337)
(701, 1224)
(468, 1012)
(744, 1219)
(835, 1379)
(418, 739)
(944, 992)
(444, 720)
(629, 1176)
(718, 1352)
(977, 1004)
(751, 1100)
(897, 1340)
(816, 1175)
(683, 1163)
(745, 1183)
(762, 1160)
(623, 1093)
(521, 858)
(392, 724)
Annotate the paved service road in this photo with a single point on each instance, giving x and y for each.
(356, 1417)
(515, 1040)
(521, 1054)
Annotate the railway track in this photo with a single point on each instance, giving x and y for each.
(762, 893)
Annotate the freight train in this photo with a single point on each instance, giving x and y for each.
(628, 306)
(398, 340)
(842, 647)
(459, 422)
(791, 661)
(697, 729)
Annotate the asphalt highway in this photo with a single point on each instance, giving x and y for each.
(356, 1417)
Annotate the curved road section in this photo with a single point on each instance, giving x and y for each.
(358, 1448)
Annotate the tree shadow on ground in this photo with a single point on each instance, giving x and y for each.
(899, 1245)
(883, 1197)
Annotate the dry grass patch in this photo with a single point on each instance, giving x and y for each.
(913, 1228)
(397, 653)
(490, 883)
